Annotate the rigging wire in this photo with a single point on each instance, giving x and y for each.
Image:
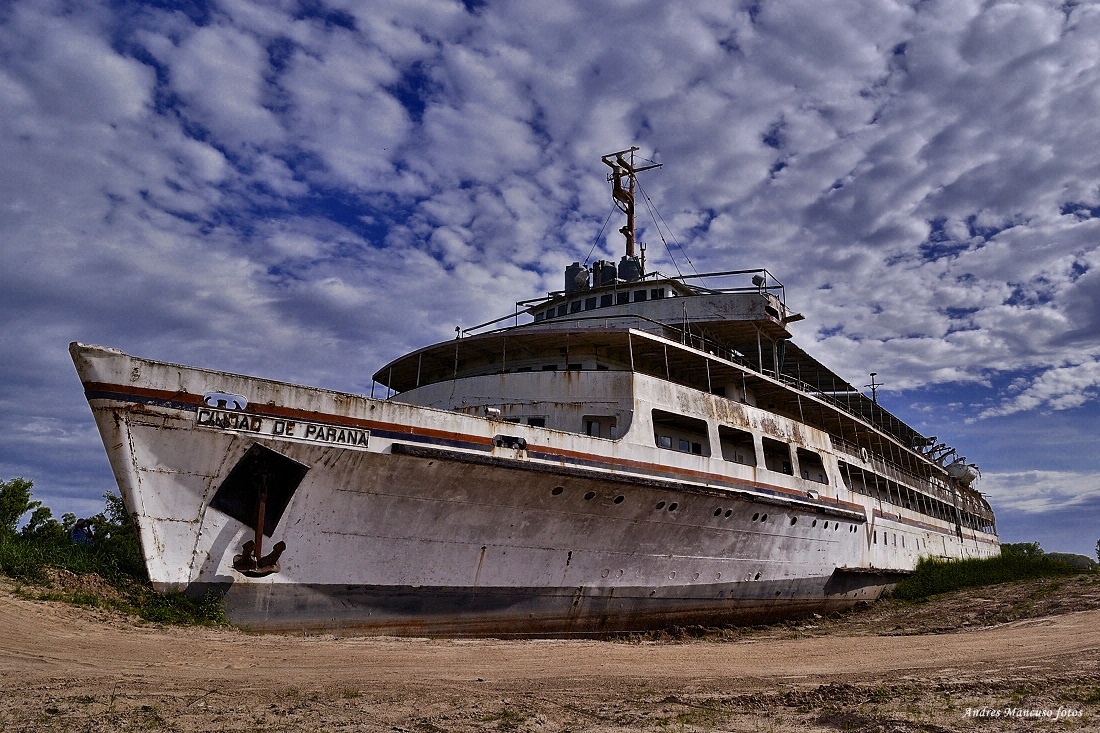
(600, 234)
(654, 214)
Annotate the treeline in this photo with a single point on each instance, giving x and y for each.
(1020, 561)
(105, 545)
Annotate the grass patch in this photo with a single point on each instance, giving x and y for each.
(97, 562)
(934, 576)
(91, 577)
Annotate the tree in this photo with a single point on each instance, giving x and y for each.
(1098, 550)
(15, 501)
(1022, 549)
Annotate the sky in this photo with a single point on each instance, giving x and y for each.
(306, 189)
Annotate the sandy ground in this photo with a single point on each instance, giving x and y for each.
(990, 659)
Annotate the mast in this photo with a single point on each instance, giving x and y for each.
(624, 195)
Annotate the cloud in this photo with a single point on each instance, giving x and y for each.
(248, 185)
(1059, 388)
(1037, 492)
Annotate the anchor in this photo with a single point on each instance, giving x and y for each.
(252, 562)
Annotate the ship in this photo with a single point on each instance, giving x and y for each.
(636, 451)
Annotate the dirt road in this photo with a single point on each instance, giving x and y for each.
(65, 667)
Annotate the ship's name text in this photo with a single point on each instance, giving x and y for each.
(207, 417)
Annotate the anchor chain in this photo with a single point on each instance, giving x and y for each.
(252, 562)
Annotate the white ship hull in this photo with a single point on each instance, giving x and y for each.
(403, 519)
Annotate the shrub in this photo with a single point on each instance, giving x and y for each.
(15, 501)
(114, 554)
(934, 575)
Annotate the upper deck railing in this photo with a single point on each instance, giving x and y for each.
(758, 280)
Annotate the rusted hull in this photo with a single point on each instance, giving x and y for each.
(517, 612)
(399, 519)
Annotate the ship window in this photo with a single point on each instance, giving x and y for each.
(573, 367)
(523, 369)
(622, 298)
(640, 295)
(549, 367)
(846, 477)
(689, 433)
(657, 293)
(600, 426)
(777, 456)
(861, 483)
(563, 309)
(575, 306)
(589, 303)
(809, 463)
(606, 300)
(537, 422)
(737, 445)
(540, 316)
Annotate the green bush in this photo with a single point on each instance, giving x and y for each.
(114, 554)
(15, 501)
(43, 542)
(1020, 562)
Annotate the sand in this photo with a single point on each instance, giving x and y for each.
(1019, 657)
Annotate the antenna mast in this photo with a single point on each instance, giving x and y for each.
(624, 195)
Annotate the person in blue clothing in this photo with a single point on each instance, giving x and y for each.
(82, 533)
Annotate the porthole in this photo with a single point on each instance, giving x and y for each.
(660, 505)
(672, 506)
(729, 513)
(794, 521)
(763, 517)
(825, 525)
(814, 523)
(590, 495)
(836, 526)
(619, 499)
(756, 516)
(718, 512)
(756, 577)
(557, 490)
